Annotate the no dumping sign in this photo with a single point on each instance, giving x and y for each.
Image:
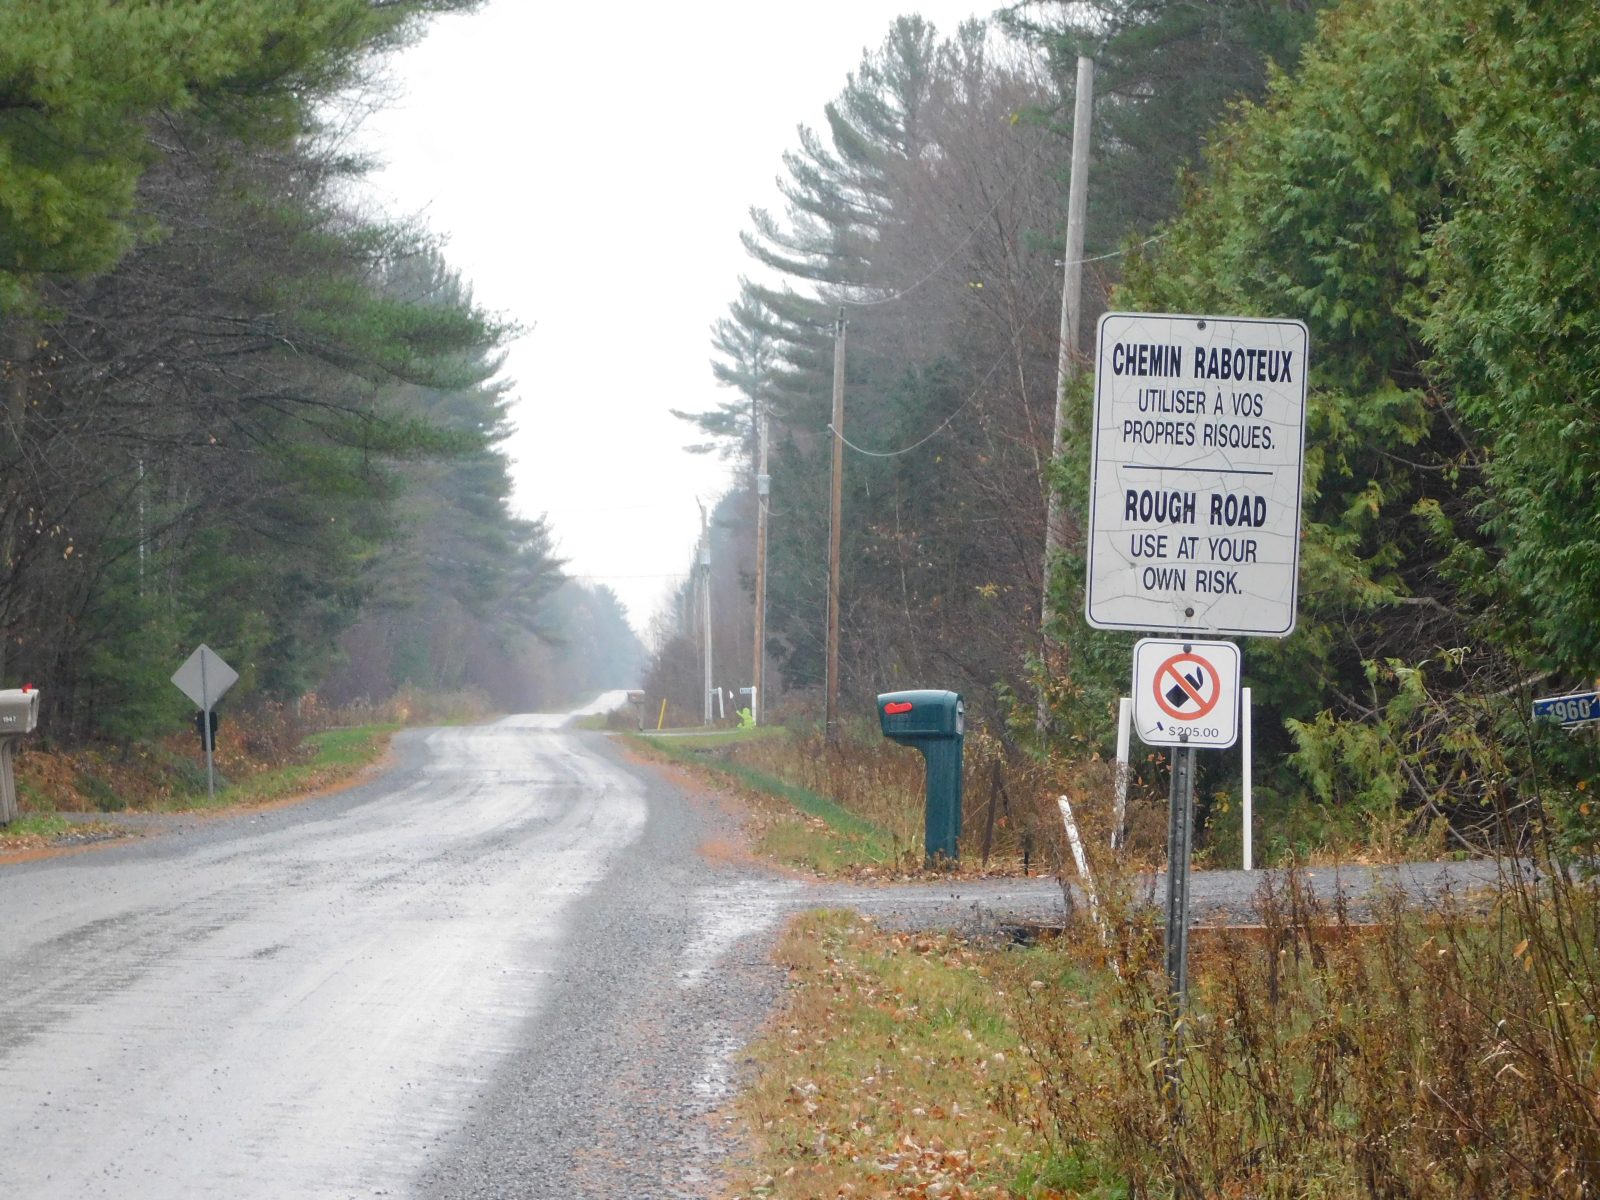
(1186, 693)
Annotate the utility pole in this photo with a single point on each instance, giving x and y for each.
(1067, 351)
(705, 603)
(758, 680)
(831, 714)
(19, 352)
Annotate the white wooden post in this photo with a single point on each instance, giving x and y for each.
(1079, 857)
(1244, 743)
(1124, 730)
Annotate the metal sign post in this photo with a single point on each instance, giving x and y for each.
(1194, 531)
(204, 677)
(205, 734)
(1185, 695)
(1180, 827)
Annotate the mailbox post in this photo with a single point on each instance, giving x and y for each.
(19, 714)
(933, 722)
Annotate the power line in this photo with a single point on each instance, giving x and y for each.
(942, 426)
(1113, 254)
(960, 408)
(988, 375)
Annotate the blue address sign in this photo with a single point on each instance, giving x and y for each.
(1580, 708)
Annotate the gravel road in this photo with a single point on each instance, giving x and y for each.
(501, 970)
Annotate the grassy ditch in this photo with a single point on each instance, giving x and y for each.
(161, 779)
(895, 1070)
(791, 825)
(1010, 820)
(332, 756)
(856, 808)
(1423, 1055)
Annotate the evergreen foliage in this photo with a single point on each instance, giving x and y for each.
(234, 412)
(1403, 195)
(1415, 181)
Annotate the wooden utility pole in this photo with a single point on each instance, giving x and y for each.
(758, 680)
(705, 601)
(19, 351)
(1067, 351)
(835, 511)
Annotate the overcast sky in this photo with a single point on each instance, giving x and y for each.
(591, 170)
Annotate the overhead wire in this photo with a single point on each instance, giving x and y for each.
(932, 273)
(988, 375)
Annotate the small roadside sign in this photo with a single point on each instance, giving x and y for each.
(1199, 442)
(204, 677)
(1572, 711)
(1186, 693)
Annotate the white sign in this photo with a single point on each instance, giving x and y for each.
(204, 677)
(1199, 436)
(1186, 693)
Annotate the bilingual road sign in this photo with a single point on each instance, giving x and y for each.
(204, 677)
(1580, 708)
(1186, 693)
(1199, 440)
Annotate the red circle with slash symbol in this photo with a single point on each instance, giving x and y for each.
(1170, 677)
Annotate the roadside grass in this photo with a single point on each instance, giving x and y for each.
(857, 807)
(1430, 1055)
(879, 1079)
(790, 825)
(34, 829)
(162, 779)
(1010, 822)
(37, 827)
(722, 739)
(48, 831)
(335, 755)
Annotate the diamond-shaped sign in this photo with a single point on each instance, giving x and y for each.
(204, 677)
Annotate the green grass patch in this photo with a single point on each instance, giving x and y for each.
(31, 827)
(796, 826)
(838, 819)
(895, 1071)
(336, 755)
(721, 739)
(810, 844)
(357, 746)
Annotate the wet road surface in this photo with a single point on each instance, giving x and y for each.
(501, 970)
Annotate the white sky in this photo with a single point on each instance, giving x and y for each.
(591, 171)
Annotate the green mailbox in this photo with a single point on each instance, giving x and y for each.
(935, 723)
